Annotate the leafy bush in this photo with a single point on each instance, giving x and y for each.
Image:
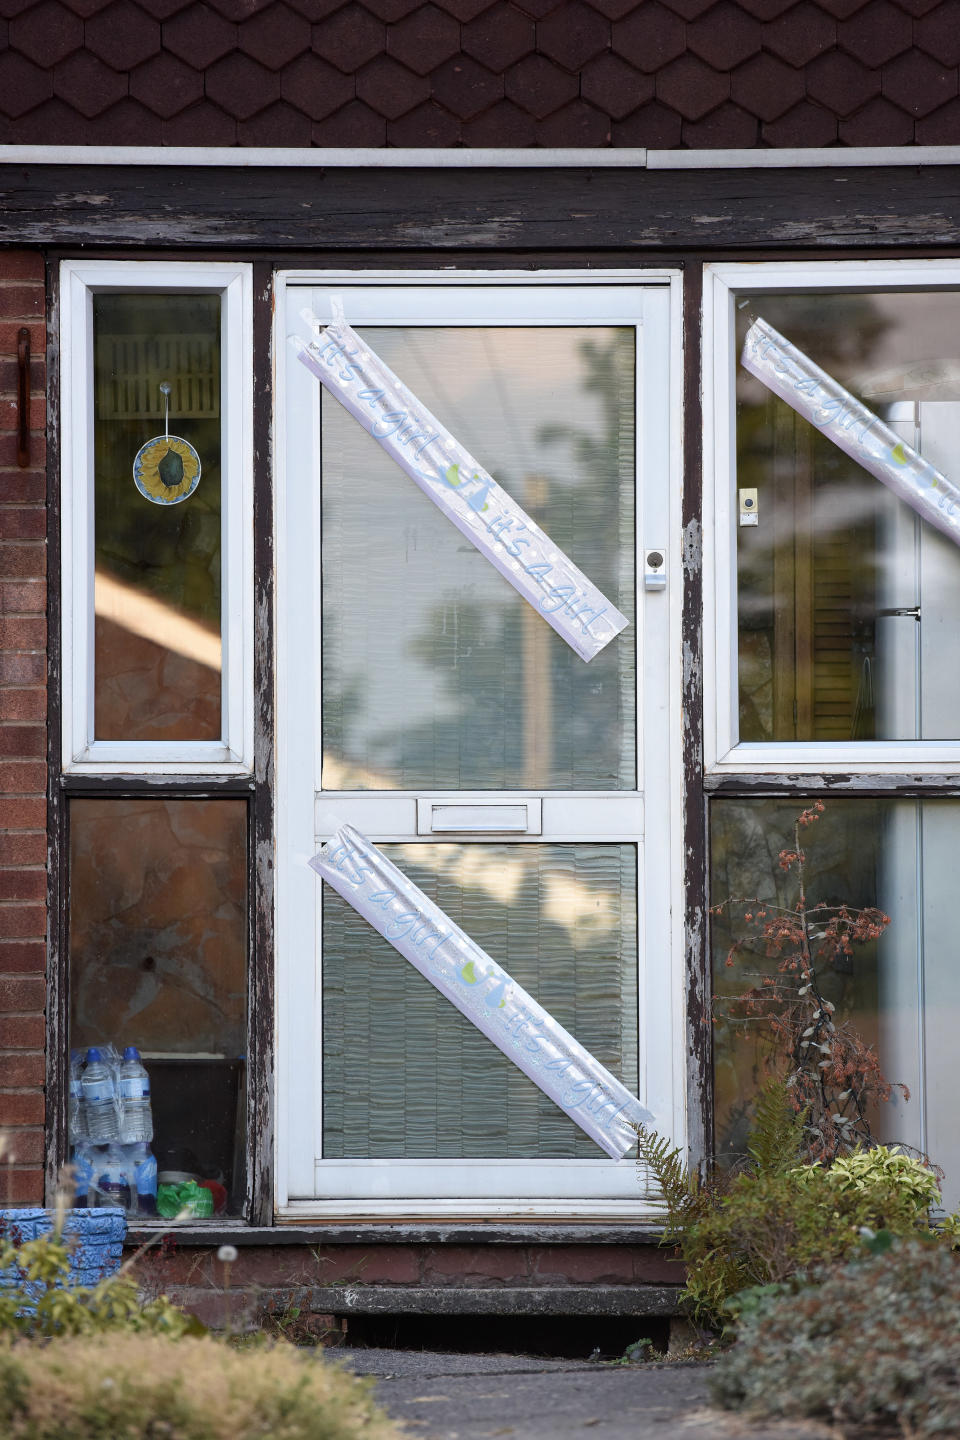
(877, 1341)
(35, 1301)
(777, 1218)
(142, 1387)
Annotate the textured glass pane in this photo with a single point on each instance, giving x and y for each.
(847, 600)
(158, 946)
(901, 993)
(436, 674)
(406, 1075)
(157, 584)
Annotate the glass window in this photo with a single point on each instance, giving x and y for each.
(406, 1075)
(435, 677)
(899, 991)
(157, 545)
(158, 960)
(846, 599)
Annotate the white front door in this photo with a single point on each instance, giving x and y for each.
(413, 679)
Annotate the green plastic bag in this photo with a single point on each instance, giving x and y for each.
(186, 1199)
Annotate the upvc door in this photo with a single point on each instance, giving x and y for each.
(533, 795)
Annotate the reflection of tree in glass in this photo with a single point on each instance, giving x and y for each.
(807, 571)
(520, 707)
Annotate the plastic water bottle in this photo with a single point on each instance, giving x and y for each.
(82, 1177)
(144, 1165)
(98, 1111)
(76, 1116)
(114, 1180)
(136, 1117)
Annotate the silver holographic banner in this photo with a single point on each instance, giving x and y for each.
(861, 434)
(482, 990)
(460, 486)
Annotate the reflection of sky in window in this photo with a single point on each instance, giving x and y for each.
(495, 390)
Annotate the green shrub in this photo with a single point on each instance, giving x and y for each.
(877, 1341)
(141, 1387)
(776, 1218)
(35, 1301)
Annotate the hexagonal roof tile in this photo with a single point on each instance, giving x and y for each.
(275, 36)
(424, 40)
(573, 34)
(123, 36)
(46, 34)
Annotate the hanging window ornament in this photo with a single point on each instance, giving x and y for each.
(166, 469)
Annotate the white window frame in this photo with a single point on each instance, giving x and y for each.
(82, 754)
(575, 1189)
(723, 752)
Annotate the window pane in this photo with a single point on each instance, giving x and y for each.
(847, 599)
(405, 1074)
(436, 674)
(158, 945)
(157, 581)
(901, 992)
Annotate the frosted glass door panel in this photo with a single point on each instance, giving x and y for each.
(406, 1075)
(436, 674)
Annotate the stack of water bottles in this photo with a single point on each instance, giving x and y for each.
(111, 1126)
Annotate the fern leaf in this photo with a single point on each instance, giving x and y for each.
(776, 1142)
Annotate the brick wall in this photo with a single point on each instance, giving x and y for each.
(23, 706)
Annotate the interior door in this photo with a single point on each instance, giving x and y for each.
(530, 794)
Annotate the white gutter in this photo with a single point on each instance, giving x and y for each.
(239, 157)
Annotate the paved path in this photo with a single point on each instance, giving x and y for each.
(516, 1397)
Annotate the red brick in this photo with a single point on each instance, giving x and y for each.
(21, 1187)
(649, 38)
(575, 125)
(766, 87)
(614, 86)
(23, 884)
(503, 124)
(691, 87)
(8, 450)
(10, 375)
(10, 335)
(23, 301)
(23, 847)
(22, 522)
(350, 38)
(315, 87)
(21, 1032)
(919, 84)
(22, 669)
(499, 37)
(24, 597)
(466, 89)
(167, 85)
(22, 778)
(21, 1107)
(428, 125)
(426, 39)
(21, 993)
(22, 740)
(573, 35)
(26, 486)
(23, 562)
(21, 1068)
(449, 1264)
(10, 419)
(726, 128)
(199, 36)
(22, 633)
(354, 124)
(19, 922)
(22, 265)
(805, 124)
(279, 124)
(800, 35)
(878, 123)
(583, 1264)
(21, 1147)
(370, 1264)
(653, 1266)
(22, 814)
(22, 957)
(275, 36)
(652, 126)
(539, 87)
(390, 89)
